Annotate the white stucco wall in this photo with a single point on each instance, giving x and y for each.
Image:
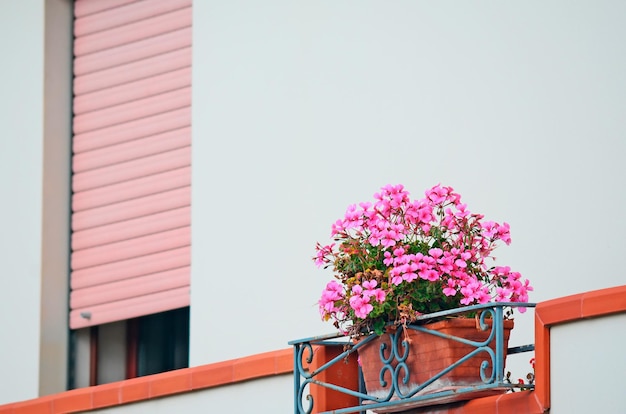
(587, 364)
(263, 396)
(21, 149)
(301, 108)
(34, 166)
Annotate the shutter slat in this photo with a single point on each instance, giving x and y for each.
(131, 52)
(132, 32)
(131, 209)
(126, 151)
(140, 226)
(125, 269)
(131, 189)
(130, 308)
(141, 108)
(133, 71)
(87, 7)
(139, 246)
(129, 288)
(131, 170)
(129, 131)
(124, 14)
(134, 91)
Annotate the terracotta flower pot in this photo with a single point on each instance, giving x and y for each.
(429, 355)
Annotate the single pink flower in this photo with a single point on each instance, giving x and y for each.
(435, 252)
(388, 260)
(450, 289)
(429, 274)
(380, 295)
(460, 263)
(370, 284)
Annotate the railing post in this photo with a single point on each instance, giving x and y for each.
(499, 327)
(296, 378)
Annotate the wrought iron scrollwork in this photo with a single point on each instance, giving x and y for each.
(394, 375)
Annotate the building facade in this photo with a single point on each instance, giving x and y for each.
(282, 115)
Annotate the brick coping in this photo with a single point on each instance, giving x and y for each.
(158, 385)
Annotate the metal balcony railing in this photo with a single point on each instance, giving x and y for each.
(394, 373)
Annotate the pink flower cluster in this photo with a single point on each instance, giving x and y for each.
(361, 295)
(434, 240)
(331, 294)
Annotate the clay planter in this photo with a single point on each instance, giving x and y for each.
(429, 355)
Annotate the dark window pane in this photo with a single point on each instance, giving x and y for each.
(163, 342)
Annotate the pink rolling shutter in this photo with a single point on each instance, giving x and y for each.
(132, 156)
